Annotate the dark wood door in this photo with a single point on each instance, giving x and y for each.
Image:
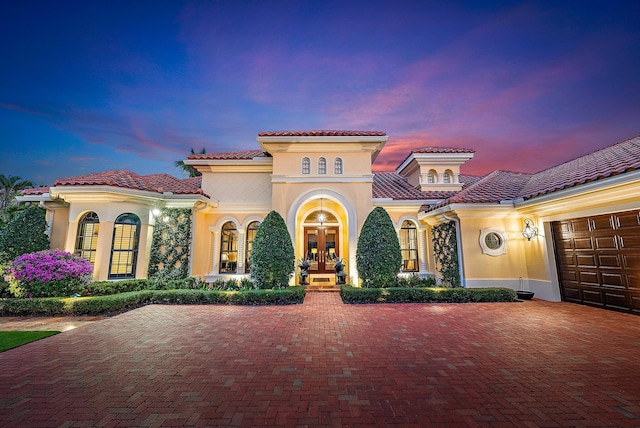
(322, 249)
(598, 260)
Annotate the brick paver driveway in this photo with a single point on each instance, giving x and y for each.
(328, 364)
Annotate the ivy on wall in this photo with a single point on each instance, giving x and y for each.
(445, 249)
(170, 246)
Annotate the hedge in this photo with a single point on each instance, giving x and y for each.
(352, 294)
(115, 303)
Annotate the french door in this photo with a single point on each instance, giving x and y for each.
(322, 248)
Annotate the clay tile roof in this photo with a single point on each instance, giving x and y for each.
(159, 183)
(35, 191)
(323, 133)
(395, 186)
(442, 150)
(241, 155)
(613, 160)
(492, 188)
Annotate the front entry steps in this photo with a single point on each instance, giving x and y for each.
(322, 282)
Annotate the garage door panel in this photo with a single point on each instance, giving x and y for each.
(581, 225)
(612, 280)
(631, 261)
(572, 294)
(586, 260)
(593, 297)
(583, 244)
(627, 220)
(629, 242)
(606, 243)
(589, 278)
(598, 260)
(608, 260)
(616, 300)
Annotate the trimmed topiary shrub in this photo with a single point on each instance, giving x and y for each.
(25, 233)
(49, 273)
(378, 256)
(272, 256)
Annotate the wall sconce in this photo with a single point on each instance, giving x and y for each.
(530, 230)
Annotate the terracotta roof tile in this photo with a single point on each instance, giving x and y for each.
(613, 160)
(442, 150)
(159, 183)
(395, 186)
(322, 133)
(240, 155)
(504, 185)
(35, 191)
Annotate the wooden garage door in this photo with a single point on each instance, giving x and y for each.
(599, 260)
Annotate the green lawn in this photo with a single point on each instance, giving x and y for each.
(13, 339)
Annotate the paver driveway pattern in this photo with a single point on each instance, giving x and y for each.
(328, 364)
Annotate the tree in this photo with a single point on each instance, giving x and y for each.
(272, 256)
(25, 233)
(10, 187)
(188, 168)
(378, 256)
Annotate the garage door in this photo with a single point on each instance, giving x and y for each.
(599, 260)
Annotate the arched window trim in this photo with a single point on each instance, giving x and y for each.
(322, 165)
(87, 237)
(228, 248)
(409, 246)
(447, 177)
(124, 246)
(431, 177)
(252, 229)
(305, 166)
(338, 166)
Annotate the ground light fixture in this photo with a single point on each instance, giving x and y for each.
(530, 230)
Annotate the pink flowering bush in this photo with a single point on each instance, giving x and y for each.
(49, 273)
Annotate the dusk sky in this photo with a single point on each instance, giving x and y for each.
(88, 86)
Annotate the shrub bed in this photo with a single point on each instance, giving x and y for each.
(351, 294)
(114, 303)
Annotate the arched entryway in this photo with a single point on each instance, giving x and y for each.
(321, 241)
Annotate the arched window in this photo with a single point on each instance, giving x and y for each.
(431, 177)
(124, 247)
(322, 166)
(87, 237)
(447, 177)
(229, 248)
(409, 246)
(252, 229)
(306, 165)
(337, 166)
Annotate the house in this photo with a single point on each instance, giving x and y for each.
(570, 232)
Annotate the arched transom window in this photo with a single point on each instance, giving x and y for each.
(229, 248)
(322, 166)
(306, 165)
(124, 247)
(409, 246)
(87, 237)
(337, 166)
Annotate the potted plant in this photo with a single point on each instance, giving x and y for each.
(340, 273)
(522, 293)
(304, 265)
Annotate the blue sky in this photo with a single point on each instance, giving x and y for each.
(90, 86)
